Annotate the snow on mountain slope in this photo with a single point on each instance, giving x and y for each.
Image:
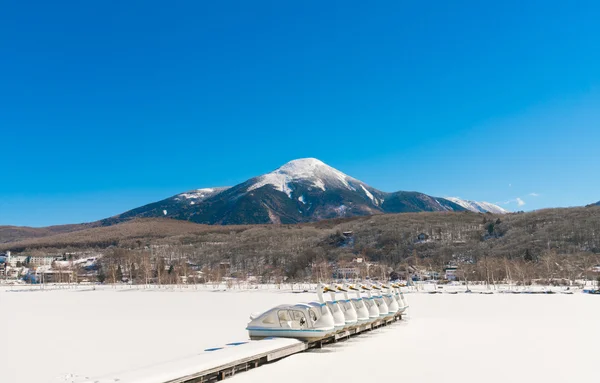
(368, 193)
(170, 207)
(310, 170)
(200, 194)
(478, 207)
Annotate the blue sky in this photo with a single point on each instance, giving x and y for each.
(109, 105)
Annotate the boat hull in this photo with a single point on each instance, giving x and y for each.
(301, 334)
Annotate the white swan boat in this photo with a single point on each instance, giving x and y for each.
(317, 320)
(304, 321)
(384, 310)
(362, 312)
(339, 319)
(390, 299)
(402, 303)
(350, 314)
(374, 313)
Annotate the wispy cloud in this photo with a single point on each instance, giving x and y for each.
(534, 194)
(519, 201)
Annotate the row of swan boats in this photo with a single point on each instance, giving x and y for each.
(323, 318)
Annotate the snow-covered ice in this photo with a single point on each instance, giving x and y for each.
(462, 337)
(95, 332)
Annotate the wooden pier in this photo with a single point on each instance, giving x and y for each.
(219, 363)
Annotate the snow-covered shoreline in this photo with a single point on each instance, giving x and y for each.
(423, 287)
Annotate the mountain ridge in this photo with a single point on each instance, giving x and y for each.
(302, 190)
(478, 207)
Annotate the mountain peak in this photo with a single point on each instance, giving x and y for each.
(303, 168)
(303, 163)
(310, 170)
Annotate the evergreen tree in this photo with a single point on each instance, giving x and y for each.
(119, 275)
(101, 276)
(528, 256)
(490, 228)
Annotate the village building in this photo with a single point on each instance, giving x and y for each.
(48, 275)
(422, 237)
(346, 272)
(451, 272)
(33, 260)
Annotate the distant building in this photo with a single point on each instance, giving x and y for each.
(346, 272)
(33, 260)
(422, 237)
(225, 268)
(17, 260)
(4, 263)
(593, 272)
(451, 273)
(425, 275)
(47, 275)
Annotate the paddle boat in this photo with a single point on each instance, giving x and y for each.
(374, 313)
(402, 303)
(350, 314)
(362, 312)
(390, 300)
(307, 322)
(384, 310)
(339, 318)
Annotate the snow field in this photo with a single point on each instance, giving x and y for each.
(463, 337)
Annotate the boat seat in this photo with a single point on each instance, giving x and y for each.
(286, 324)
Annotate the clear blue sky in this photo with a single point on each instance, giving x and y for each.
(108, 105)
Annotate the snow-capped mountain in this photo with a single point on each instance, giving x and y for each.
(302, 190)
(478, 207)
(313, 174)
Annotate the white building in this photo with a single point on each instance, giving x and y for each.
(33, 260)
(13, 259)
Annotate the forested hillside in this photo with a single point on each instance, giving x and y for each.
(553, 242)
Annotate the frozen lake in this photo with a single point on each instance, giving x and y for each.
(463, 337)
